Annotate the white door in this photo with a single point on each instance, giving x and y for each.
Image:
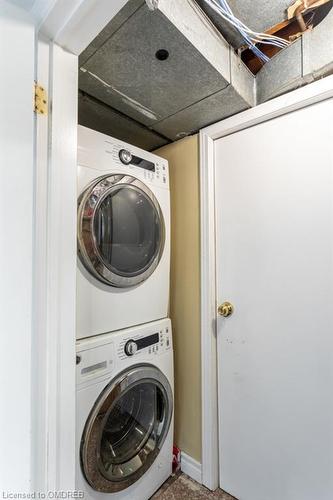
(274, 210)
(17, 47)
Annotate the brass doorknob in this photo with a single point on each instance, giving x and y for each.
(226, 309)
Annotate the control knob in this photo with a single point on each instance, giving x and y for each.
(130, 347)
(125, 156)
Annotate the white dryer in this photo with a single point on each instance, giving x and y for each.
(123, 235)
(124, 408)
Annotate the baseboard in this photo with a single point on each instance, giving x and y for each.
(191, 467)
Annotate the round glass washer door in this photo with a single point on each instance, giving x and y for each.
(121, 231)
(126, 429)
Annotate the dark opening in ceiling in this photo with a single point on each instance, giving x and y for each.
(275, 18)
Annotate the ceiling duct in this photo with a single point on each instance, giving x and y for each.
(200, 81)
(163, 69)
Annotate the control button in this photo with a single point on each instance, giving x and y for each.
(130, 348)
(168, 342)
(125, 156)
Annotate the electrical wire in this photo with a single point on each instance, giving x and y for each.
(245, 37)
(250, 37)
(310, 21)
(237, 23)
(234, 20)
(249, 42)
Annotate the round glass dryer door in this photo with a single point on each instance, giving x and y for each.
(121, 230)
(126, 429)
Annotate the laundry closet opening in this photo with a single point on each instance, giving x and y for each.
(141, 102)
(124, 341)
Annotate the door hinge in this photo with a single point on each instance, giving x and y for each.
(40, 100)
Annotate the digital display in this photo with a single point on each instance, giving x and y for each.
(147, 341)
(139, 162)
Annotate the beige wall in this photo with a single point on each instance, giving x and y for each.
(183, 157)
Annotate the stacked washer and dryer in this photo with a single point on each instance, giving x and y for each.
(124, 339)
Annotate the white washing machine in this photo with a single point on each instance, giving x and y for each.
(124, 408)
(123, 235)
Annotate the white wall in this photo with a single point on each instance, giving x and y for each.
(16, 245)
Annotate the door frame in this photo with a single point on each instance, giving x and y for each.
(306, 96)
(65, 31)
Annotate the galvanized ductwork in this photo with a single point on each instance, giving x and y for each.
(199, 81)
(162, 69)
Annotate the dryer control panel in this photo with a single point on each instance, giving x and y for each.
(106, 154)
(153, 344)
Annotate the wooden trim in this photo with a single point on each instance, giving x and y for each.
(208, 315)
(297, 99)
(55, 264)
(39, 471)
(61, 270)
(191, 467)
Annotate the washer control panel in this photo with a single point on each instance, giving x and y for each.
(151, 345)
(153, 170)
